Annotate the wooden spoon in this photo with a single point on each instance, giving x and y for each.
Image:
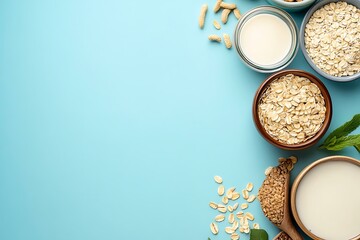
(286, 224)
(282, 236)
(279, 177)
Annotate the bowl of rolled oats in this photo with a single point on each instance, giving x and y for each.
(330, 39)
(292, 5)
(292, 109)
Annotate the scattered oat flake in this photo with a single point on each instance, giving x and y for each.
(231, 218)
(221, 208)
(245, 194)
(213, 205)
(221, 190)
(249, 187)
(229, 230)
(244, 206)
(256, 226)
(220, 218)
(236, 205)
(214, 228)
(239, 214)
(235, 195)
(251, 198)
(249, 216)
(218, 179)
(234, 236)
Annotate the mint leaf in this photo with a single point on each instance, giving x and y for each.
(345, 129)
(343, 142)
(258, 234)
(340, 137)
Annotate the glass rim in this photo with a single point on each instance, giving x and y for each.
(289, 21)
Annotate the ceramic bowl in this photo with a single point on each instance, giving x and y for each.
(292, 6)
(328, 114)
(302, 41)
(320, 182)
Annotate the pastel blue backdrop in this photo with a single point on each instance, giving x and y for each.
(116, 115)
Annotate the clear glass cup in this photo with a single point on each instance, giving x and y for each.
(288, 20)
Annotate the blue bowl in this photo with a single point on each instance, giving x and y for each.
(320, 4)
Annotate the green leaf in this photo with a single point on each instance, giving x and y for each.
(345, 129)
(343, 142)
(209, 238)
(258, 234)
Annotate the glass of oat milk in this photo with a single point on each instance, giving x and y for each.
(325, 199)
(266, 39)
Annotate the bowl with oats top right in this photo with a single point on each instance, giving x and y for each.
(330, 39)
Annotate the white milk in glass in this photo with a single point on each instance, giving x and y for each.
(328, 200)
(265, 39)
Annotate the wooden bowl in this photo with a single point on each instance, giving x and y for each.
(328, 114)
(298, 181)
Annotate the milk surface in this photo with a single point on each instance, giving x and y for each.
(265, 39)
(328, 200)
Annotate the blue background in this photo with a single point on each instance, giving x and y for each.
(116, 115)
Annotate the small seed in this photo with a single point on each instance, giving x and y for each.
(249, 187)
(224, 15)
(213, 205)
(245, 194)
(229, 230)
(218, 179)
(220, 218)
(221, 190)
(217, 25)
(217, 6)
(234, 236)
(251, 198)
(235, 196)
(230, 208)
(256, 226)
(231, 218)
(242, 206)
(230, 6)
(249, 216)
(221, 208)
(237, 13)
(202, 16)
(227, 41)
(225, 200)
(214, 228)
